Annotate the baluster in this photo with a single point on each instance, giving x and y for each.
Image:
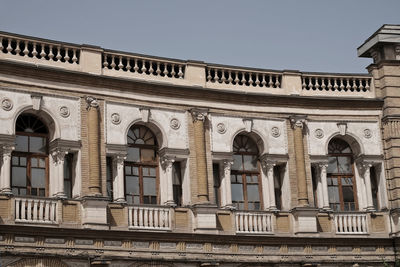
(113, 62)
(251, 82)
(364, 224)
(162, 218)
(42, 52)
(367, 84)
(354, 85)
(143, 66)
(348, 87)
(230, 77)
(35, 210)
(168, 224)
(130, 222)
(156, 215)
(323, 86)
(23, 210)
(1, 44)
(216, 77)
(46, 211)
(17, 201)
(29, 210)
(263, 81)
(246, 222)
(140, 217)
(66, 57)
(335, 85)
(316, 83)
(17, 48)
(135, 217)
(250, 222)
(257, 80)
(26, 51)
(340, 218)
(58, 57)
(173, 71)
(135, 67)
(269, 220)
(341, 84)
(74, 57)
(264, 225)
(277, 83)
(146, 217)
(165, 70)
(53, 211)
(9, 48)
(51, 55)
(237, 223)
(310, 84)
(223, 79)
(34, 52)
(120, 65)
(151, 221)
(347, 223)
(180, 72)
(259, 224)
(329, 84)
(128, 64)
(236, 80)
(209, 75)
(241, 222)
(41, 210)
(105, 62)
(151, 70)
(243, 81)
(361, 85)
(158, 71)
(355, 224)
(303, 85)
(270, 82)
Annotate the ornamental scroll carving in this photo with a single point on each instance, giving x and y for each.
(7, 104)
(175, 124)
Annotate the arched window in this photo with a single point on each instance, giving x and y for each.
(340, 175)
(141, 166)
(245, 174)
(29, 164)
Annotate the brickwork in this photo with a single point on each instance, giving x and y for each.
(85, 149)
(292, 165)
(71, 212)
(192, 159)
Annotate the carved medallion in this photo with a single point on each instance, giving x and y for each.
(174, 123)
(319, 133)
(367, 133)
(275, 132)
(115, 118)
(221, 128)
(7, 104)
(64, 112)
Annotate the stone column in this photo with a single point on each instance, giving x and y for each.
(58, 156)
(324, 183)
(94, 150)
(297, 125)
(268, 184)
(167, 163)
(199, 117)
(226, 190)
(118, 182)
(366, 170)
(5, 179)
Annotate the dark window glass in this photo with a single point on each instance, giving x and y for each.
(217, 183)
(374, 187)
(141, 178)
(278, 187)
(109, 173)
(68, 172)
(245, 178)
(177, 183)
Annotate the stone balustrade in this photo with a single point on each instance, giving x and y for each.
(149, 218)
(351, 223)
(95, 60)
(254, 222)
(33, 210)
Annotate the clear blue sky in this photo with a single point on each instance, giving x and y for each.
(307, 35)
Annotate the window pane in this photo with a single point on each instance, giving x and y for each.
(38, 178)
(253, 193)
(127, 170)
(344, 165)
(348, 195)
(347, 181)
(18, 176)
(132, 185)
(37, 144)
(133, 154)
(149, 186)
(42, 162)
(332, 165)
(15, 161)
(21, 143)
(67, 168)
(333, 193)
(237, 162)
(148, 155)
(22, 161)
(237, 192)
(250, 162)
(67, 188)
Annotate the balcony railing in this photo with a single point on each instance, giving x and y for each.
(351, 223)
(149, 218)
(30, 210)
(254, 222)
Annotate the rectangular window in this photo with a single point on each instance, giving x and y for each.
(374, 188)
(278, 187)
(68, 173)
(217, 183)
(177, 183)
(109, 174)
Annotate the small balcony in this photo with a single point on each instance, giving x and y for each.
(251, 222)
(350, 223)
(35, 210)
(150, 218)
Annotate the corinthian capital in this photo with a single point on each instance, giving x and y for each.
(199, 114)
(58, 155)
(166, 162)
(298, 121)
(7, 149)
(91, 102)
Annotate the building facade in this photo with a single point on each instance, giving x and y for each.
(115, 159)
